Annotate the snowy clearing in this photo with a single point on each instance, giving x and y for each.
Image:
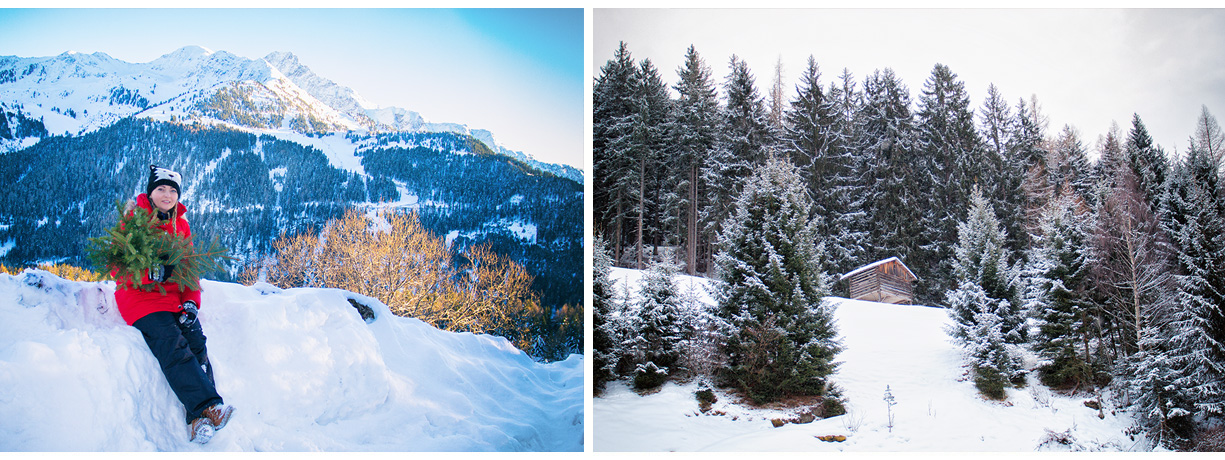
(903, 347)
(301, 367)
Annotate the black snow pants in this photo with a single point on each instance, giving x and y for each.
(181, 352)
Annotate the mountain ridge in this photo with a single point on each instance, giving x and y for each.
(75, 93)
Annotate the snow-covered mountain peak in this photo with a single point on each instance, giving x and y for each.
(341, 98)
(75, 93)
(185, 54)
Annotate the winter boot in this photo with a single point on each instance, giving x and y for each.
(219, 415)
(201, 430)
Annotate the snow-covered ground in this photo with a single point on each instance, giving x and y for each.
(302, 368)
(901, 347)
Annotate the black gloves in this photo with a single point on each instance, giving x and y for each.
(188, 316)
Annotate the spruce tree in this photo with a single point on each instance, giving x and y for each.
(614, 112)
(1194, 214)
(1148, 162)
(981, 258)
(854, 223)
(743, 145)
(782, 340)
(953, 162)
(824, 165)
(987, 319)
(1157, 378)
(1029, 159)
(645, 146)
(1067, 165)
(604, 340)
(693, 140)
(892, 187)
(659, 334)
(1057, 277)
(997, 129)
(1110, 149)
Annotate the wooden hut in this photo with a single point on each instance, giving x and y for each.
(886, 281)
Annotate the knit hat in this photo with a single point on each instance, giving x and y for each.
(162, 176)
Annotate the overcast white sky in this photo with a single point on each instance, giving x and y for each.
(1088, 67)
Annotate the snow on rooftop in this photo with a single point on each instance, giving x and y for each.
(877, 264)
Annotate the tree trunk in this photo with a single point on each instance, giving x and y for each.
(691, 221)
(642, 172)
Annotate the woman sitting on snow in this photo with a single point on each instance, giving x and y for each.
(167, 317)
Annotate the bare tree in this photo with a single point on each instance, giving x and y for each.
(1208, 137)
(778, 103)
(1133, 270)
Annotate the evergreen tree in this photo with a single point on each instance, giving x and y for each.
(659, 334)
(1195, 218)
(647, 144)
(986, 315)
(748, 127)
(693, 141)
(997, 129)
(1067, 164)
(613, 109)
(850, 246)
(1057, 277)
(1147, 162)
(782, 340)
(1158, 377)
(1110, 158)
(891, 186)
(1029, 159)
(604, 340)
(823, 164)
(982, 260)
(743, 145)
(995, 364)
(808, 123)
(950, 148)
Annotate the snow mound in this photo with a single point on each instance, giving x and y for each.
(903, 347)
(303, 369)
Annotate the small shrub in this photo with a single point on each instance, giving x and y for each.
(989, 383)
(832, 407)
(1209, 440)
(649, 376)
(852, 421)
(1063, 438)
(705, 399)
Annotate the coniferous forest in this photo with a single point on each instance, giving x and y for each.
(248, 190)
(1103, 257)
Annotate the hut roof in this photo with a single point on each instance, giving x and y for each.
(877, 264)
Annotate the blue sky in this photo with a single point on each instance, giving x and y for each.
(515, 72)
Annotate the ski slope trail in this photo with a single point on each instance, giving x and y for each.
(302, 368)
(902, 347)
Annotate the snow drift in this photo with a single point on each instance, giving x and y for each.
(902, 347)
(303, 369)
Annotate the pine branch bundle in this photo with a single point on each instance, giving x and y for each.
(137, 244)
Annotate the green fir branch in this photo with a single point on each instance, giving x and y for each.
(137, 244)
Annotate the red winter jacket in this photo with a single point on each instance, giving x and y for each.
(134, 303)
